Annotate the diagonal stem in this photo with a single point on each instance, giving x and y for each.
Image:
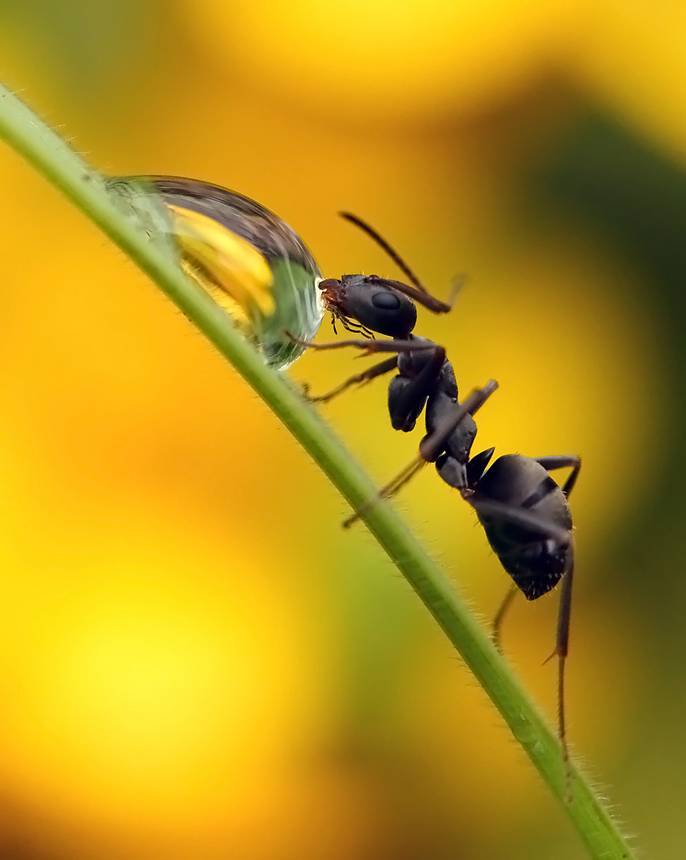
(51, 157)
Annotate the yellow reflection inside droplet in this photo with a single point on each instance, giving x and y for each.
(222, 259)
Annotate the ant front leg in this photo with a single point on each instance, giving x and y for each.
(433, 444)
(366, 347)
(369, 347)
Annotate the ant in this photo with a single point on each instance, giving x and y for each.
(523, 511)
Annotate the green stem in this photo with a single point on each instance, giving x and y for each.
(48, 153)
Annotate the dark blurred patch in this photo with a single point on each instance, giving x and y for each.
(17, 848)
(632, 197)
(629, 192)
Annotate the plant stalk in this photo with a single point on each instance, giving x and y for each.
(63, 168)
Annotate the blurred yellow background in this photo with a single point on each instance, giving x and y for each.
(195, 660)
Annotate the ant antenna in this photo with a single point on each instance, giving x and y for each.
(417, 291)
(383, 244)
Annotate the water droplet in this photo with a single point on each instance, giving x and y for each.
(251, 262)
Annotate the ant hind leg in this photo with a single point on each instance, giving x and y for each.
(562, 462)
(496, 626)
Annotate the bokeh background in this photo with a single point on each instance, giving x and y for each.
(195, 659)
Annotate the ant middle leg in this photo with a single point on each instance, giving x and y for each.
(358, 379)
(433, 444)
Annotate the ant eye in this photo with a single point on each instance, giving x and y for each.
(386, 301)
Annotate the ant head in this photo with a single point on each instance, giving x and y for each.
(370, 304)
(379, 304)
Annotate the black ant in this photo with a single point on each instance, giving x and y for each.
(523, 511)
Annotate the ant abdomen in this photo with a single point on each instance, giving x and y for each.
(535, 560)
